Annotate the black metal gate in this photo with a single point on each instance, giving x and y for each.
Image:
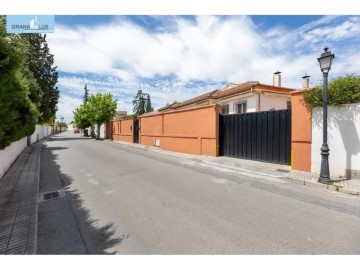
(262, 136)
(136, 131)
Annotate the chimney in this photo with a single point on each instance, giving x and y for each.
(277, 79)
(305, 83)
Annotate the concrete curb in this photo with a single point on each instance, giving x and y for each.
(238, 169)
(31, 246)
(311, 179)
(305, 178)
(37, 194)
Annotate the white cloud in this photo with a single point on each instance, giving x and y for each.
(122, 57)
(347, 29)
(66, 106)
(210, 48)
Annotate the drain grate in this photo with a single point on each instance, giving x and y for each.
(51, 195)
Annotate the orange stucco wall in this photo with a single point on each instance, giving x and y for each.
(300, 133)
(122, 130)
(193, 131)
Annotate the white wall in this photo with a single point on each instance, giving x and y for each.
(251, 103)
(269, 102)
(10, 154)
(102, 131)
(343, 140)
(40, 132)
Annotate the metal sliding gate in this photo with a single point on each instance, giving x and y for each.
(262, 136)
(136, 131)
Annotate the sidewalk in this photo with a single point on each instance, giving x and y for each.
(261, 168)
(18, 203)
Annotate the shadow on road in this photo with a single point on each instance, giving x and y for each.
(57, 148)
(63, 138)
(96, 239)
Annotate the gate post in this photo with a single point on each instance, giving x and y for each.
(217, 130)
(300, 133)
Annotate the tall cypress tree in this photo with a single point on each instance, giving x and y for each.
(142, 103)
(148, 107)
(86, 95)
(41, 64)
(139, 103)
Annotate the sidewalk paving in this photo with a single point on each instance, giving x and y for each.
(18, 203)
(261, 168)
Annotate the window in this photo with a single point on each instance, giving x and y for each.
(225, 109)
(241, 107)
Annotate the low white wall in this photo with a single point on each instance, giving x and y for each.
(40, 133)
(10, 154)
(102, 131)
(343, 140)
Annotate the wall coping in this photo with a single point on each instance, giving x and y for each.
(298, 92)
(182, 110)
(129, 119)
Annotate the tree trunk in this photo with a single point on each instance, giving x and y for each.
(98, 131)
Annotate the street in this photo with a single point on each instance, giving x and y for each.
(118, 199)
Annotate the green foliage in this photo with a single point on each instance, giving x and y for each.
(81, 117)
(343, 90)
(148, 107)
(62, 123)
(142, 103)
(18, 114)
(86, 95)
(41, 64)
(99, 109)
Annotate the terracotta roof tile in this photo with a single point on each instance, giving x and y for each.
(215, 94)
(202, 97)
(169, 106)
(239, 88)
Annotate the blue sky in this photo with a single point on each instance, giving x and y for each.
(178, 57)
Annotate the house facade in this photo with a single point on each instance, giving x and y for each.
(251, 96)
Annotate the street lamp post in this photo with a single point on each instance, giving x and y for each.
(325, 61)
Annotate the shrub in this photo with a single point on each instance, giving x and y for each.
(343, 90)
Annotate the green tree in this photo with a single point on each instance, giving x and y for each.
(61, 123)
(17, 113)
(81, 117)
(148, 107)
(342, 90)
(142, 103)
(86, 94)
(100, 109)
(41, 64)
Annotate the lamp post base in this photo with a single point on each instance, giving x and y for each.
(325, 172)
(326, 181)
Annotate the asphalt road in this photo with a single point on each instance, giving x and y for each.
(123, 200)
